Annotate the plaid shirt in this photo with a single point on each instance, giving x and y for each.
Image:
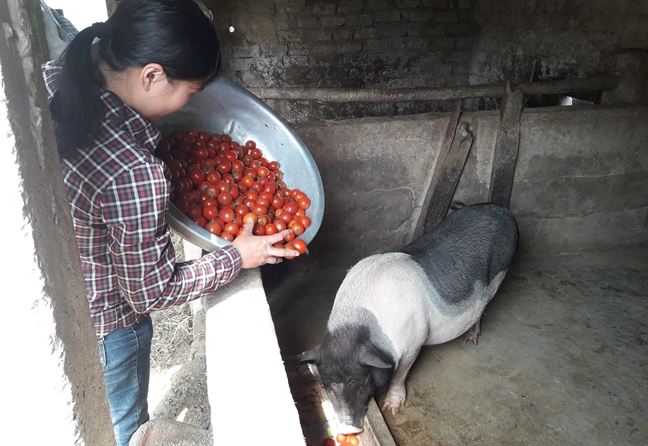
(119, 198)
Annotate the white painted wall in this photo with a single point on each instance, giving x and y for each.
(82, 13)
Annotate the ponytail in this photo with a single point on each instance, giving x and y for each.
(76, 106)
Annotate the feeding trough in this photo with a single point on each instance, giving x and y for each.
(224, 107)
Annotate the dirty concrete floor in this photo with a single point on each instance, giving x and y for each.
(562, 358)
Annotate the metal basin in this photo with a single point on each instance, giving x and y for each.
(224, 107)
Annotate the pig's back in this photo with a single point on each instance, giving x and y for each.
(471, 247)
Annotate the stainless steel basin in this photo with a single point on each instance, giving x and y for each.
(224, 107)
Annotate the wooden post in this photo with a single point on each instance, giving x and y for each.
(506, 147)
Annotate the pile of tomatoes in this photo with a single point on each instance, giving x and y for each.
(220, 184)
(343, 440)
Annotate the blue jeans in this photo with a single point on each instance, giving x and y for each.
(125, 359)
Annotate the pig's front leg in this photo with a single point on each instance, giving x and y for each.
(396, 394)
(473, 333)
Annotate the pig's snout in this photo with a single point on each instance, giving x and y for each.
(348, 429)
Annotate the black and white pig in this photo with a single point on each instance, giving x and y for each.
(390, 305)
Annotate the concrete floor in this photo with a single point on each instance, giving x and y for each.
(562, 359)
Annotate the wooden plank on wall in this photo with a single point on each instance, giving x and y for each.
(506, 148)
(448, 177)
(443, 153)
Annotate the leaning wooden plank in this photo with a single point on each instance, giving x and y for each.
(446, 182)
(506, 148)
(443, 153)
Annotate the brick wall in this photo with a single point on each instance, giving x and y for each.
(417, 43)
(348, 43)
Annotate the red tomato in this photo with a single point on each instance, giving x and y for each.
(210, 212)
(227, 236)
(260, 209)
(248, 180)
(227, 214)
(194, 211)
(340, 438)
(230, 156)
(223, 186)
(352, 440)
(213, 177)
(286, 216)
(299, 245)
(237, 166)
(231, 227)
(182, 205)
(328, 442)
(297, 228)
(304, 203)
(256, 153)
(273, 166)
(202, 153)
(201, 221)
(241, 210)
(214, 228)
(290, 237)
(291, 208)
(213, 191)
(277, 202)
(271, 229)
(270, 188)
(209, 202)
(259, 229)
(267, 195)
(224, 167)
(196, 176)
(225, 198)
(250, 144)
(263, 171)
(305, 221)
(262, 219)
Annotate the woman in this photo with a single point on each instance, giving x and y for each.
(151, 56)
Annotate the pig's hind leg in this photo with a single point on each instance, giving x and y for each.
(473, 333)
(396, 393)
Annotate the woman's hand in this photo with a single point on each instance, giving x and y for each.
(257, 250)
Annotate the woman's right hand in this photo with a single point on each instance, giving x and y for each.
(257, 250)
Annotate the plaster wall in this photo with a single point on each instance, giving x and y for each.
(51, 386)
(580, 183)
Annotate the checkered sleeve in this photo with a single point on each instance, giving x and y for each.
(134, 208)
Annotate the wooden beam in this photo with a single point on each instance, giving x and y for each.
(506, 148)
(436, 93)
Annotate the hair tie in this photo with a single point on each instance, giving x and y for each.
(100, 29)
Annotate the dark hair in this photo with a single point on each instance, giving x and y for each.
(173, 33)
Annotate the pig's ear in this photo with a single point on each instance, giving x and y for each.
(310, 356)
(371, 357)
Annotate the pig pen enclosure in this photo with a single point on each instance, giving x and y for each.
(562, 355)
(550, 119)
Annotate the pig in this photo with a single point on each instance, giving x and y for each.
(390, 305)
